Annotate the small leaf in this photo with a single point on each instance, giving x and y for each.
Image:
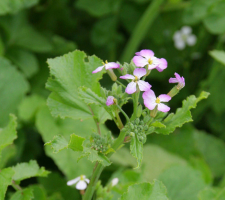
(146, 191)
(26, 194)
(218, 55)
(182, 115)
(158, 124)
(58, 143)
(136, 149)
(28, 170)
(5, 180)
(76, 142)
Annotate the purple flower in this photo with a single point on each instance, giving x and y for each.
(151, 101)
(146, 57)
(107, 65)
(132, 86)
(180, 80)
(110, 100)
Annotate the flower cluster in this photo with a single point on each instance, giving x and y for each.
(145, 61)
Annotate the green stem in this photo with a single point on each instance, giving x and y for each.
(125, 115)
(135, 102)
(175, 6)
(141, 29)
(120, 83)
(119, 122)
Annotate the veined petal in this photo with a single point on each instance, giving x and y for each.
(162, 64)
(98, 69)
(112, 65)
(109, 100)
(145, 53)
(186, 30)
(81, 185)
(71, 182)
(143, 86)
(191, 40)
(164, 98)
(173, 80)
(127, 76)
(131, 88)
(139, 61)
(139, 72)
(163, 108)
(87, 180)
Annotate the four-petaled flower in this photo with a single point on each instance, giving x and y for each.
(81, 182)
(183, 37)
(110, 65)
(132, 86)
(146, 57)
(180, 80)
(151, 101)
(110, 100)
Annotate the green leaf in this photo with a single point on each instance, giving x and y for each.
(182, 182)
(95, 156)
(136, 149)
(59, 143)
(11, 92)
(182, 115)
(5, 180)
(8, 134)
(26, 194)
(13, 6)
(26, 61)
(7, 154)
(212, 194)
(28, 170)
(218, 55)
(146, 191)
(64, 82)
(158, 124)
(38, 192)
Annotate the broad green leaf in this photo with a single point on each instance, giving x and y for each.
(38, 192)
(218, 55)
(212, 194)
(11, 92)
(182, 182)
(28, 170)
(5, 180)
(49, 127)
(2, 47)
(59, 143)
(98, 7)
(146, 191)
(158, 124)
(26, 61)
(182, 115)
(8, 134)
(136, 149)
(26, 194)
(7, 154)
(13, 6)
(64, 82)
(29, 107)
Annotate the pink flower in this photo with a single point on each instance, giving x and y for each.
(110, 100)
(180, 80)
(132, 86)
(151, 101)
(107, 65)
(146, 57)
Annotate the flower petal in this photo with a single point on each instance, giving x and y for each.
(179, 44)
(115, 181)
(127, 76)
(98, 69)
(71, 182)
(139, 72)
(87, 180)
(131, 88)
(191, 40)
(162, 64)
(81, 185)
(109, 100)
(177, 36)
(112, 65)
(173, 80)
(186, 30)
(143, 86)
(162, 107)
(177, 76)
(139, 61)
(149, 99)
(145, 53)
(164, 98)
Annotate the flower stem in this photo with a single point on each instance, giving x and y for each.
(120, 83)
(141, 29)
(118, 120)
(135, 102)
(125, 115)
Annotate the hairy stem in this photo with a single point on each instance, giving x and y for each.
(141, 29)
(135, 101)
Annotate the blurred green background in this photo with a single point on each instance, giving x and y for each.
(32, 31)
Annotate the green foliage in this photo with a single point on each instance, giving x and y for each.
(182, 115)
(218, 55)
(28, 170)
(26, 194)
(5, 180)
(146, 191)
